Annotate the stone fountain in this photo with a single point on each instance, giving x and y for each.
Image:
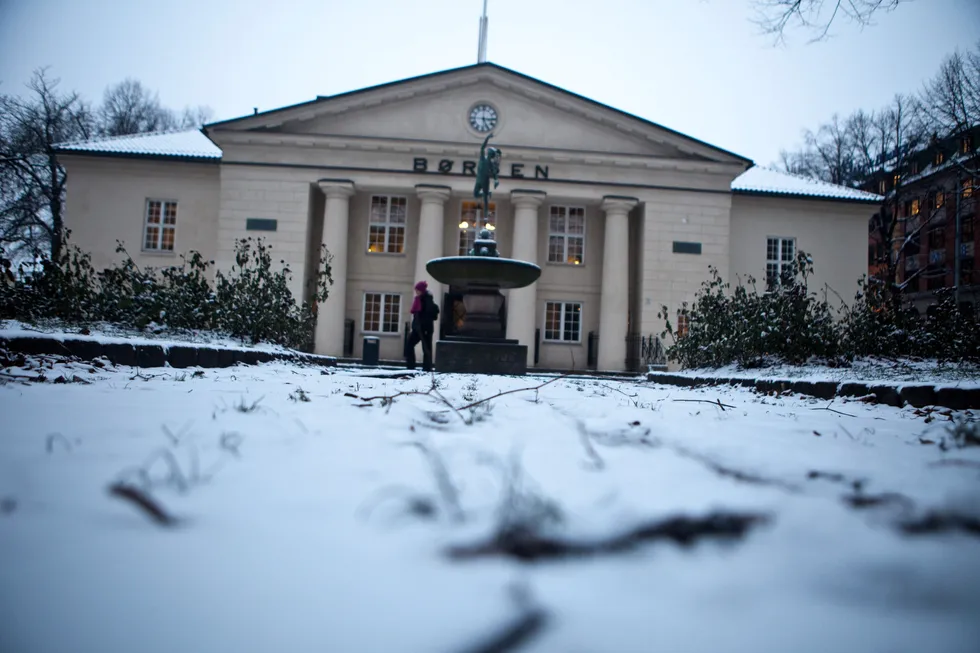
(480, 345)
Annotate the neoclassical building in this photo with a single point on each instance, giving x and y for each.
(622, 214)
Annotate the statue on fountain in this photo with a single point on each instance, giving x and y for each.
(488, 168)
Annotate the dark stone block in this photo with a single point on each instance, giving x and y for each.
(851, 389)
(819, 389)
(35, 346)
(252, 357)
(745, 383)
(150, 356)
(207, 357)
(771, 385)
(958, 398)
(671, 379)
(180, 356)
(887, 394)
(120, 353)
(87, 350)
(918, 395)
(226, 358)
(481, 357)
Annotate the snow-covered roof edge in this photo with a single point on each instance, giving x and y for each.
(189, 145)
(760, 180)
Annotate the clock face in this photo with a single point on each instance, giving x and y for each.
(483, 117)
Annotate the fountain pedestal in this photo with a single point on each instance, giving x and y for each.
(481, 347)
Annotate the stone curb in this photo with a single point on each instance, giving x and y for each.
(898, 395)
(147, 356)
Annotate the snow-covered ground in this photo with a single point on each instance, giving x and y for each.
(111, 333)
(957, 374)
(306, 516)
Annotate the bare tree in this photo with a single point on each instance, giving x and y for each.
(776, 17)
(32, 184)
(130, 108)
(196, 117)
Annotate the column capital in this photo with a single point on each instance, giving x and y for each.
(336, 187)
(526, 197)
(618, 203)
(434, 194)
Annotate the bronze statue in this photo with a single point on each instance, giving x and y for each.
(488, 167)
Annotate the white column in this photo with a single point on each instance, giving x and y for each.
(331, 313)
(432, 231)
(522, 302)
(614, 302)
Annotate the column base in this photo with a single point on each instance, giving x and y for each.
(481, 356)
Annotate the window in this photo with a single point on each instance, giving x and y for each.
(940, 157)
(780, 253)
(965, 144)
(967, 188)
(563, 322)
(471, 221)
(566, 235)
(386, 231)
(966, 230)
(160, 225)
(382, 312)
(882, 187)
(915, 167)
(915, 208)
(940, 199)
(937, 238)
(683, 324)
(966, 271)
(895, 180)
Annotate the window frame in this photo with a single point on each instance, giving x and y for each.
(160, 226)
(683, 324)
(382, 313)
(566, 235)
(387, 224)
(778, 261)
(461, 248)
(563, 303)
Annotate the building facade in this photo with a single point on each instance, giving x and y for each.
(934, 198)
(623, 215)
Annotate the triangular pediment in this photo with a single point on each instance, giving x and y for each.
(437, 108)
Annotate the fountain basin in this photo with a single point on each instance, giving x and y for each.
(471, 272)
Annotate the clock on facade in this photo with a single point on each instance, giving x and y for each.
(483, 117)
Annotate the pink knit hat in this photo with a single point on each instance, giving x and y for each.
(422, 285)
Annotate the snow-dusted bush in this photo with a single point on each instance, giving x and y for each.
(252, 302)
(788, 323)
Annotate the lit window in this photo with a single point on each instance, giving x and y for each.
(471, 222)
(896, 179)
(566, 235)
(940, 157)
(915, 207)
(563, 322)
(967, 188)
(882, 187)
(780, 253)
(965, 144)
(160, 226)
(683, 324)
(386, 229)
(940, 199)
(382, 312)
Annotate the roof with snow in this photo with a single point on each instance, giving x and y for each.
(186, 145)
(760, 180)
(193, 145)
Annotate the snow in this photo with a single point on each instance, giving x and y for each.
(190, 143)
(294, 533)
(112, 334)
(870, 370)
(760, 179)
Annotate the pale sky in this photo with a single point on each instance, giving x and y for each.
(696, 66)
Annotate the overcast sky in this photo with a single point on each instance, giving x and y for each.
(697, 66)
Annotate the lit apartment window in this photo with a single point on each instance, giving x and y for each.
(915, 207)
(780, 253)
(940, 157)
(386, 230)
(471, 222)
(940, 199)
(382, 312)
(160, 226)
(966, 143)
(563, 322)
(566, 235)
(882, 187)
(967, 188)
(896, 179)
(683, 324)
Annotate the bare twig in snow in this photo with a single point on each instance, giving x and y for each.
(147, 504)
(518, 631)
(57, 437)
(716, 402)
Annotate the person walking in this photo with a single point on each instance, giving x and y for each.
(424, 314)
